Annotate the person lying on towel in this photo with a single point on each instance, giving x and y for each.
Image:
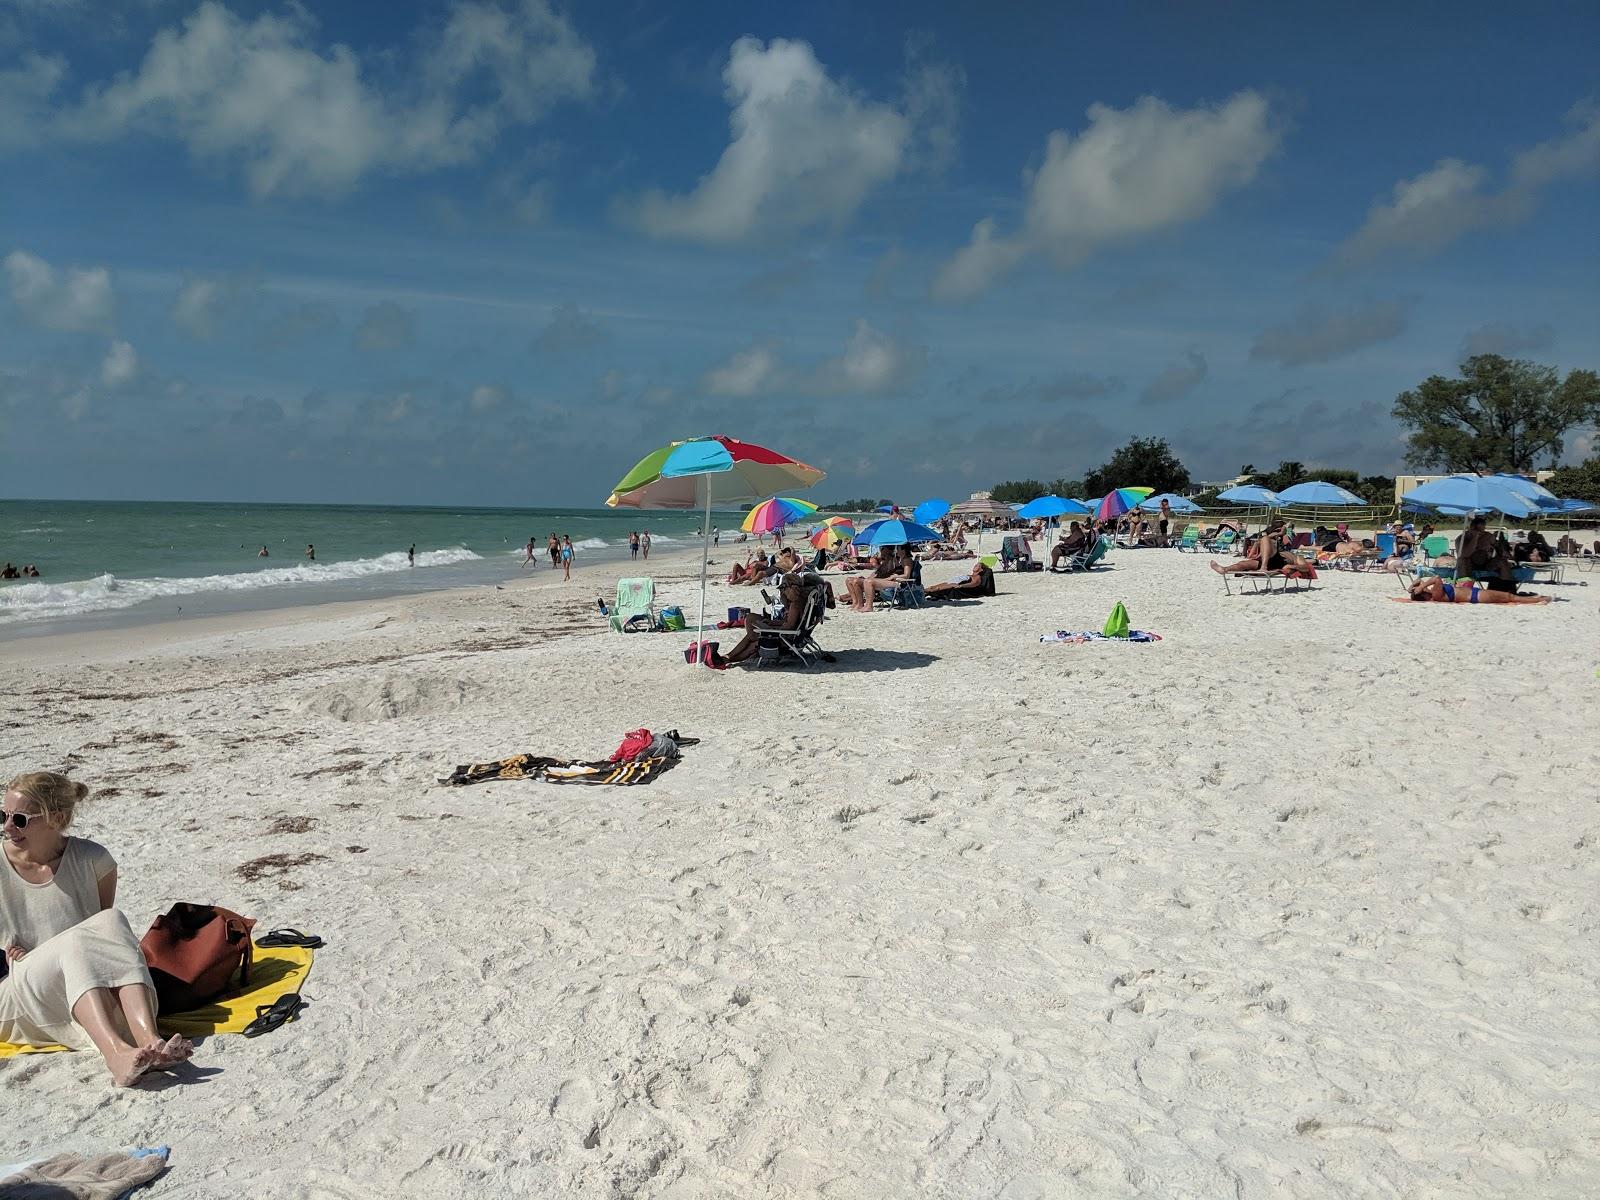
(76, 976)
(1431, 588)
(979, 583)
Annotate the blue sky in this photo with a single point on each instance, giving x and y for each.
(492, 253)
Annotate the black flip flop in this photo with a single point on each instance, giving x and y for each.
(290, 937)
(272, 1016)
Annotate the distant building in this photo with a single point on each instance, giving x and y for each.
(1410, 483)
(981, 496)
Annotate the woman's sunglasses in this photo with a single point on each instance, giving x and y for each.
(20, 820)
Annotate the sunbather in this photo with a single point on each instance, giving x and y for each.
(979, 582)
(1071, 543)
(1438, 591)
(752, 570)
(792, 595)
(1263, 554)
(899, 565)
(1483, 551)
(76, 976)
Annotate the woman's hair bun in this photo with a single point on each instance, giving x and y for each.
(81, 789)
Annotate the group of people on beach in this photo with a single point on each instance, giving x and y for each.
(559, 549)
(28, 572)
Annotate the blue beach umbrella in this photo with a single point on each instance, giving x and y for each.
(1051, 506)
(1471, 494)
(1251, 493)
(1572, 505)
(1177, 503)
(1535, 494)
(1317, 493)
(930, 511)
(895, 532)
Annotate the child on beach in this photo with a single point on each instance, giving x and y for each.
(566, 558)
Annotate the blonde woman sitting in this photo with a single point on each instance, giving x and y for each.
(75, 973)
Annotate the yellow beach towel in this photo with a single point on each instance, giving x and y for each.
(278, 970)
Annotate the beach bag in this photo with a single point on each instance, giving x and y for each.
(702, 653)
(672, 619)
(193, 952)
(634, 743)
(1117, 623)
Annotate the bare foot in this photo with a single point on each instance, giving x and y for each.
(176, 1049)
(128, 1065)
(1217, 568)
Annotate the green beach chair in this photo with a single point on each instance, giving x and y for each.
(1190, 539)
(635, 598)
(1223, 541)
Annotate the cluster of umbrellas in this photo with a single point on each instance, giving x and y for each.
(1453, 495)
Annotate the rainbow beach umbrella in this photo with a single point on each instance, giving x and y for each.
(833, 531)
(772, 515)
(1119, 500)
(696, 472)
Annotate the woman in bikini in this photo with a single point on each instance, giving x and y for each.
(1439, 592)
(75, 974)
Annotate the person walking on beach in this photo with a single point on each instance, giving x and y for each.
(529, 550)
(566, 558)
(311, 552)
(633, 544)
(716, 536)
(555, 551)
(1164, 520)
(644, 544)
(411, 555)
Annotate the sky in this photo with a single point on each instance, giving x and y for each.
(480, 252)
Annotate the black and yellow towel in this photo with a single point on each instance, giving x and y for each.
(561, 770)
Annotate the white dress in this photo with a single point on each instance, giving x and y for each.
(73, 947)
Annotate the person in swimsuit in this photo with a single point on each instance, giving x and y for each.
(644, 543)
(1266, 555)
(554, 547)
(566, 557)
(1439, 592)
(980, 582)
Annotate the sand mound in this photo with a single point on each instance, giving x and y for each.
(392, 697)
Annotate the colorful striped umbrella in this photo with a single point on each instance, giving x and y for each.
(1119, 500)
(775, 513)
(833, 531)
(694, 473)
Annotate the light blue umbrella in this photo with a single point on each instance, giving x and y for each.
(895, 532)
(1251, 493)
(1177, 503)
(1535, 494)
(1573, 504)
(886, 508)
(1051, 506)
(1317, 493)
(1471, 494)
(930, 511)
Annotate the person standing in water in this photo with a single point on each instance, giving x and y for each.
(311, 552)
(528, 551)
(633, 543)
(262, 553)
(566, 558)
(411, 555)
(644, 543)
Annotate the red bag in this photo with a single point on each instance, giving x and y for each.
(635, 743)
(193, 951)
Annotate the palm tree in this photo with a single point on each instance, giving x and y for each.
(1248, 469)
(1290, 472)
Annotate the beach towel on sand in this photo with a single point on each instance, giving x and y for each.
(81, 1177)
(276, 972)
(562, 770)
(1092, 635)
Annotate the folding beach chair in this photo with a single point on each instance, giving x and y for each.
(1190, 540)
(800, 642)
(1255, 582)
(1086, 558)
(1223, 541)
(635, 610)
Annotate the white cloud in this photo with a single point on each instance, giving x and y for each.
(386, 326)
(76, 299)
(303, 119)
(1178, 380)
(748, 373)
(25, 93)
(485, 398)
(1131, 172)
(1427, 212)
(121, 364)
(805, 151)
(202, 303)
(1316, 335)
(872, 363)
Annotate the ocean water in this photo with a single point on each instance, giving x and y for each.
(119, 563)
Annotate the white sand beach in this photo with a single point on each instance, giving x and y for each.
(1298, 902)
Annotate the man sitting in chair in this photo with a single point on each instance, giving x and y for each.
(1073, 541)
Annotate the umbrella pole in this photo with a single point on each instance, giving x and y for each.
(705, 557)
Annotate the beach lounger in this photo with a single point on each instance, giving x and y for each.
(1223, 541)
(635, 610)
(1254, 582)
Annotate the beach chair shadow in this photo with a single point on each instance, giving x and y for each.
(872, 661)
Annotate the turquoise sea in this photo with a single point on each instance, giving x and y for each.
(120, 563)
